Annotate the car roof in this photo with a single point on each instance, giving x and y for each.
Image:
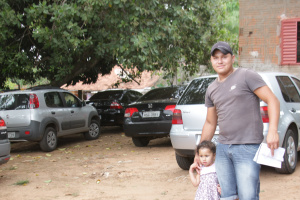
(208, 76)
(116, 89)
(172, 86)
(265, 73)
(31, 91)
(275, 73)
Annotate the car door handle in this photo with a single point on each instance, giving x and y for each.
(52, 112)
(293, 110)
(72, 111)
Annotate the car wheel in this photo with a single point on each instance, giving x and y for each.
(140, 141)
(184, 162)
(94, 131)
(49, 141)
(289, 163)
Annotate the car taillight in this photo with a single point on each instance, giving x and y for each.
(2, 123)
(170, 107)
(264, 114)
(115, 105)
(130, 111)
(177, 117)
(33, 101)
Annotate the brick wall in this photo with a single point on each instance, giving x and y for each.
(259, 40)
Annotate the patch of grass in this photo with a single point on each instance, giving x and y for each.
(23, 182)
(12, 168)
(75, 194)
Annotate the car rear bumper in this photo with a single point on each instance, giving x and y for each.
(4, 151)
(185, 142)
(147, 129)
(4, 159)
(30, 133)
(112, 119)
(185, 153)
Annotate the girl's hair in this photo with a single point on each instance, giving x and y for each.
(206, 144)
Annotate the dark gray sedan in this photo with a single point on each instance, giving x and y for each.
(150, 116)
(111, 104)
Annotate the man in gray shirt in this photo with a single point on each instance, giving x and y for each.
(232, 102)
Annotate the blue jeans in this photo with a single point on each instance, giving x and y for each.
(238, 174)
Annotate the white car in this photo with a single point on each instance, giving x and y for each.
(190, 114)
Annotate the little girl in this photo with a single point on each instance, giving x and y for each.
(205, 177)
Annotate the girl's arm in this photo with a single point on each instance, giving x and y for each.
(194, 178)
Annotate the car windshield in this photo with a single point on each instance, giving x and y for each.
(108, 95)
(195, 93)
(163, 93)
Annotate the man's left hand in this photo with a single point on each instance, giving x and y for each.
(273, 140)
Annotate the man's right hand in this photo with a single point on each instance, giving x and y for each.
(197, 164)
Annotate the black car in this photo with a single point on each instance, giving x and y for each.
(4, 143)
(150, 116)
(111, 105)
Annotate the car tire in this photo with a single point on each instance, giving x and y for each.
(289, 163)
(140, 141)
(49, 141)
(184, 162)
(94, 131)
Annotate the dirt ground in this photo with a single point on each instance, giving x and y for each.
(112, 168)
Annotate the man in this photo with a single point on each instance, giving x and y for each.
(232, 102)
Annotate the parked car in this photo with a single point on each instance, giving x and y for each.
(4, 143)
(111, 104)
(42, 114)
(190, 113)
(150, 116)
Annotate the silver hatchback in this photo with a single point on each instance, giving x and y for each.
(42, 114)
(190, 114)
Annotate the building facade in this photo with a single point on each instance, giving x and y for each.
(143, 84)
(269, 37)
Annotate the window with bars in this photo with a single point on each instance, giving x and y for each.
(290, 41)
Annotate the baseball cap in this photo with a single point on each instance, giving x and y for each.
(223, 47)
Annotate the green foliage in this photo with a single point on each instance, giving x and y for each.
(23, 182)
(75, 40)
(232, 23)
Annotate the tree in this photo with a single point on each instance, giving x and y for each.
(75, 40)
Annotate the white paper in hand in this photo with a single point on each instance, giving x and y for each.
(263, 156)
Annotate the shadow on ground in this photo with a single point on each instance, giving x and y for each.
(29, 146)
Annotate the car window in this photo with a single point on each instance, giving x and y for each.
(195, 93)
(288, 89)
(53, 100)
(163, 93)
(14, 101)
(71, 100)
(125, 98)
(138, 95)
(108, 95)
(297, 81)
(133, 96)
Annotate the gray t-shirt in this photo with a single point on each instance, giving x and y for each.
(237, 107)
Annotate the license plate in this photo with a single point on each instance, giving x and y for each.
(11, 134)
(151, 114)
